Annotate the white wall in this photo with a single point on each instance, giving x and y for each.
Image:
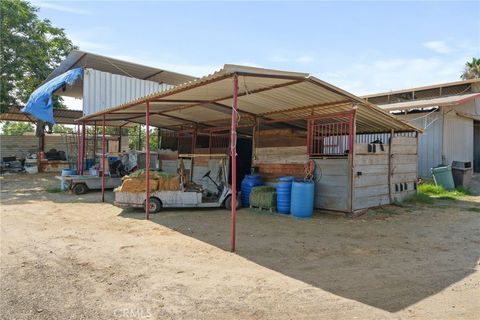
(102, 90)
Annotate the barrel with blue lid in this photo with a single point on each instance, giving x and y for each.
(302, 200)
(66, 172)
(250, 181)
(284, 192)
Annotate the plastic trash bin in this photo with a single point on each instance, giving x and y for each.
(442, 175)
(462, 173)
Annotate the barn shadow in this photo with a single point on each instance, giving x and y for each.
(385, 260)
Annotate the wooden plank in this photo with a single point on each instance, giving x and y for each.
(404, 177)
(331, 167)
(369, 191)
(402, 149)
(333, 180)
(403, 140)
(370, 180)
(332, 203)
(401, 196)
(371, 169)
(367, 202)
(371, 159)
(405, 159)
(362, 148)
(404, 168)
(281, 155)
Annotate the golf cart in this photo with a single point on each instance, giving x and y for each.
(190, 195)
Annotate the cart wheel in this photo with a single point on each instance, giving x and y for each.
(228, 203)
(80, 188)
(155, 205)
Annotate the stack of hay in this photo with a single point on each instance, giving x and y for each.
(263, 197)
(136, 182)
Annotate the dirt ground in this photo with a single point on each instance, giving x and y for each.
(72, 257)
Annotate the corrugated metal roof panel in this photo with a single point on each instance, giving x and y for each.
(437, 102)
(268, 94)
(78, 58)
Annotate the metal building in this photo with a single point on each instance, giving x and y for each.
(449, 113)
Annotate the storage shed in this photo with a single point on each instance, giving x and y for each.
(289, 118)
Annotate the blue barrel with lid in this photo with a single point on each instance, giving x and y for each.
(303, 193)
(66, 172)
(284, 193)
(250, 181)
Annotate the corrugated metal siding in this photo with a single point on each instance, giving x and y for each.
(458, 137)
(104, 90)
(429, 142)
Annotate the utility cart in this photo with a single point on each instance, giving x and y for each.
(190, 195)
(81, 184)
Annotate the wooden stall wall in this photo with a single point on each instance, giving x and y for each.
(370, 176)
(332, 185)
(404, 168)
(385, 176)
(284, 153)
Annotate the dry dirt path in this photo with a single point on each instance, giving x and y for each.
(65, 257)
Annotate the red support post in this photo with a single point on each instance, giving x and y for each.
(83, 158)
(233, 149)
(77, 133)
(95, 143)
(103, 158)
(147, 161)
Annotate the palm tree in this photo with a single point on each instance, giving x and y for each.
(472, 69)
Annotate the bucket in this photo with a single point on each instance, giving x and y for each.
(303, 193)
(66, 172)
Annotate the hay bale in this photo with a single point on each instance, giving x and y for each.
(263, 197)
(169, 184)
(137, 185)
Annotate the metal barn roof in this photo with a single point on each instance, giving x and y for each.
(61, 116)
(78, 58)
(427, 103)
(269, 95)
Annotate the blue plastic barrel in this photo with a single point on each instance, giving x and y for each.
(250, 181)
(302, 200)
(89, 163)
(284, 193)
(66, 172)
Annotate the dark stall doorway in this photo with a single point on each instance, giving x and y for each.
(244, 160)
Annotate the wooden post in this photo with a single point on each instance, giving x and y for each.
(233, 152)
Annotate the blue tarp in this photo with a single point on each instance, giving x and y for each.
(40, 104)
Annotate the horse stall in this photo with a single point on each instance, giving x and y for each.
(354, 169)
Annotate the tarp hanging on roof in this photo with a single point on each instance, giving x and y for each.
(40, 103)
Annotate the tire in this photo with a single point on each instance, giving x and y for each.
(155, 205)
(80, 188)
(228, 203)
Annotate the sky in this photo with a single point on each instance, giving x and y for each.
(362, 47)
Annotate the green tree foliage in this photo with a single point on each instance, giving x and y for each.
(30, 48)
(60, 128)
(133, 138)
(14, 128)
(472, 69)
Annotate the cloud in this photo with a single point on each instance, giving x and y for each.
(437, 46)
(60, 8)
(393, 74)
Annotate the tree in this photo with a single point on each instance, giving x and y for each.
(472, 69)
(30, 48)
(13, 128)
(60, 128)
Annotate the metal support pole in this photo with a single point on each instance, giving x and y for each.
(120, 139)
(233, 148)
(159, 139)
(147, 161)
(139, 137)
(84, 156)
(78, 148)
(95, 143)
(103, 158)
